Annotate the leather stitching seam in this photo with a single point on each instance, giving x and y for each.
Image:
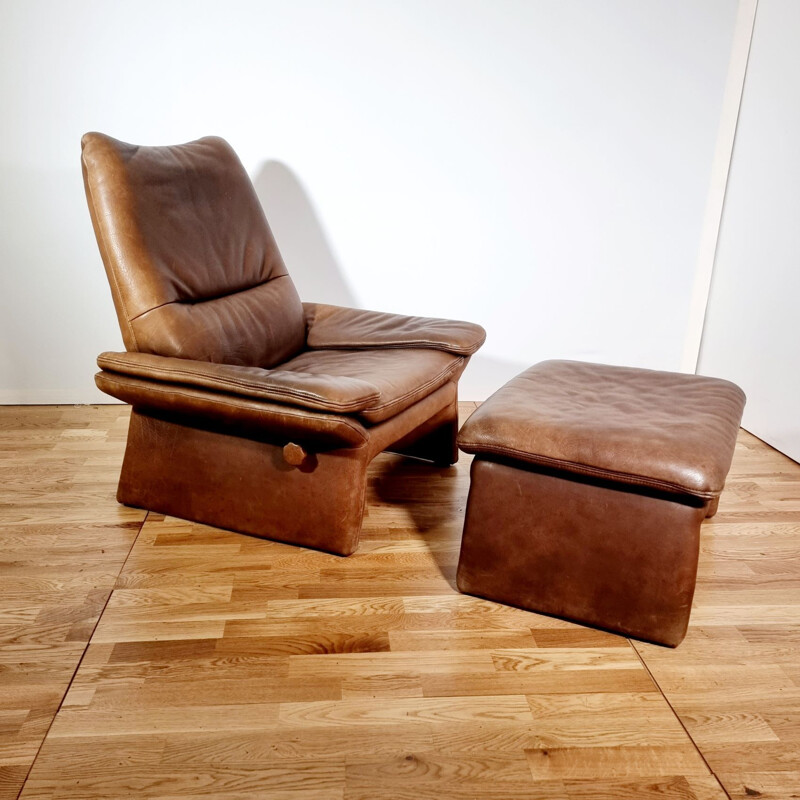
(584, 469)
(442, 376)
(353, 405)
(427, 344)
(111, 270)
(215, 401)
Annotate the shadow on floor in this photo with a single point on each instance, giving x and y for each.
(433, 500)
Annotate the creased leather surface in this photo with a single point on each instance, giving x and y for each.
(436, 411)
(660, 429)
(337, 328)
(214, 329)
(339, 394)
(598, 554)
(402, 376)
(244, 484)
(193, 267)
(239, 414)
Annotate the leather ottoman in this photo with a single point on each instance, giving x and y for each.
(588, 488)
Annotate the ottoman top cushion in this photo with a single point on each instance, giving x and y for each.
(663, 430)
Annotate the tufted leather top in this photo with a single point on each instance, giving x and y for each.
(193, 267)
(663, 430)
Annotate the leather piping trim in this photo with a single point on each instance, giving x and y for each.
(154, 308)
(215, 401)
(104, 250)
(265, 393)
(424, 344)
(441, 378)
(198, 301)
(584, 469)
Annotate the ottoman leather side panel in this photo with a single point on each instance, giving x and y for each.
(586, 550)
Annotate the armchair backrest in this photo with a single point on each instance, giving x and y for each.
(193, 266)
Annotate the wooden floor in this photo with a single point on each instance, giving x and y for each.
(144, 657)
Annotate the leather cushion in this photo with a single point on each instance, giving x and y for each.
(403, 376)
(338, 328)
(233, 413)
(664, 430)
(252, 327)
(340, 394)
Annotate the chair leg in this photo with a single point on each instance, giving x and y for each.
(434, 440)
(244, 484)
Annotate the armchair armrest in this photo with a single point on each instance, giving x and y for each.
(336, 394)
(338, 328)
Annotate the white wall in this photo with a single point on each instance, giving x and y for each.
(538, 166)
(751, 332)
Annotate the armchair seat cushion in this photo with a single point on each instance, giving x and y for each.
(372, 384)
(402, 376)
(339, 394)
(237, 414)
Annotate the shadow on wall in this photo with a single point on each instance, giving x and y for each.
(301, 238)
(486, 374)
(319, 278)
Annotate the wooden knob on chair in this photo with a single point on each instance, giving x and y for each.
(294, 454)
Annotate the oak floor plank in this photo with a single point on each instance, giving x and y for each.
(733, 680)
(231, 667)
(63, 541)
(561, 763)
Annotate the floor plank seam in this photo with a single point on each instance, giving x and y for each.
(80, 660)
(680, 721)
(232, 666)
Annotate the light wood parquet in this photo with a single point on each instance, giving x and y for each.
(224, 666)
(63, 540)
(735, 680)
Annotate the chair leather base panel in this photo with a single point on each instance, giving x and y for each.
(174, 466)
(586, 550)
(433, 441)
(244, 484)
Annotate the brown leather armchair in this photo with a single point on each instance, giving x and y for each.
(251, 410)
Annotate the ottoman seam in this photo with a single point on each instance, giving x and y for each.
(585, 469)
